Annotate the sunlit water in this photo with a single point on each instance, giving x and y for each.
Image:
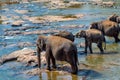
(98, 70)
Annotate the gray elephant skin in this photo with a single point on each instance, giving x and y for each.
(65, 34)
(114, 18)
(92, 36)
(108, 28)
(57, 48)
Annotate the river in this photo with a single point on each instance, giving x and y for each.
(102, 67)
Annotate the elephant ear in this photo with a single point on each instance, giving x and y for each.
(82, 33)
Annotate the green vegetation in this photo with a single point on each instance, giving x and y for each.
(39, 18)
(65, 1)
(75, 6)
(9, 2)
(0, 21)
(69, 16)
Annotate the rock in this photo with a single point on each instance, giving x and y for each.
(108, 4)
(26, 55)
(73, 26)
(53, 18)
(40, 32)
(23, 28)
(16, 55)
(17, 23)
(13, 33)
(21, 11)
(25, 44)
(33, 72)
(104, 4)
(54, 4)
(2, 2)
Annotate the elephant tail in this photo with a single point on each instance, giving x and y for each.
(77, 58)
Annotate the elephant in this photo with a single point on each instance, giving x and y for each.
(108, 28)
(92, 36)
(114, 18)
(57, 48)
(65, 34)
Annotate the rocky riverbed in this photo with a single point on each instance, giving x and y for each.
(21, 23)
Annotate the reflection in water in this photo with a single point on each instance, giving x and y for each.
(95, 60)
(53, 75)
(83, 74)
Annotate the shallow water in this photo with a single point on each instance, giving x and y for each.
(93, 66)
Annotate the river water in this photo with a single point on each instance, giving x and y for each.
(99, 67)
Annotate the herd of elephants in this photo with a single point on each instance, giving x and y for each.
(60, 46)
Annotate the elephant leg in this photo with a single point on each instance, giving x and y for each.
(39, 57)
(86, 45)
(48, 59)
(90, 47)
(116, 39)
(53, 62)
(100, 47)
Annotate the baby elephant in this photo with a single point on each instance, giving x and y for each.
(65, 34)
(92, 36)
(57, 48)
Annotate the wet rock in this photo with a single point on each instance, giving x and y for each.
(96, 2)
(3, 18)
(75, 4)
(25, 44)
(17, 23)
(16, 55)
(73, 26)
(14, 33)
(26, 55)
(23, 28)
(53, 4)
(53, 18)
(108, 4)
(21, 11)
(104, 4)
(40, 32)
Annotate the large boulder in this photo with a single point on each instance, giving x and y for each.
(27, 56)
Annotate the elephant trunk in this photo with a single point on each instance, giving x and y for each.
(74, 69)
(118, 19)
(39, 56)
